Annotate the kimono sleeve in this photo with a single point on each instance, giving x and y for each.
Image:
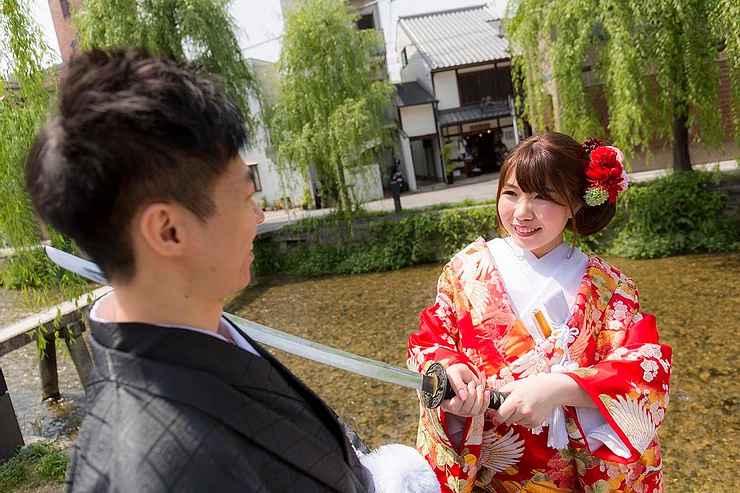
(629, 382)
(438, 335)
(441, 436)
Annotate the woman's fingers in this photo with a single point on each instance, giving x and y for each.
(480, 404)
(469, 404)
(458, 376)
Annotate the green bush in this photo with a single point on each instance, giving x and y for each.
(30, 268)
(679, 213)
(417, 237)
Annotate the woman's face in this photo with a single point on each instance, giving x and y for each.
(533, 222)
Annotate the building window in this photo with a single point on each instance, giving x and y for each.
(404, 58)
(366, 21)
(494, 84)
(255, 171)
(65, 8)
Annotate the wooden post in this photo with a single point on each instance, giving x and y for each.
(10, 433)
(48, 369)
(79, 352)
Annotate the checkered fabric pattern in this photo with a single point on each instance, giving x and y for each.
(174, 410)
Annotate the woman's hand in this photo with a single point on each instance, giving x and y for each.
(471, 398)
(531, 400)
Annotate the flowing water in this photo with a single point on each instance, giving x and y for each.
(695, 298)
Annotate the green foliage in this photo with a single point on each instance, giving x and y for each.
(33, 465)
(677, 214)
(680, 213)
(379, 244)
(655, 61)
(199, 30)
(25, 96)
(329, 119)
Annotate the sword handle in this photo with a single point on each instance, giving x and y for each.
(443, 391)
(497, 398)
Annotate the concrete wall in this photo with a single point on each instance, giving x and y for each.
(445, 87)
(366, 183)
(418, 120)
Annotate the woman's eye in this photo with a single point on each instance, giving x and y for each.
(509, 192)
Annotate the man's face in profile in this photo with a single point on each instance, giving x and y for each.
(222, 248)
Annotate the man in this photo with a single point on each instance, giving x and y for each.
(141, 169)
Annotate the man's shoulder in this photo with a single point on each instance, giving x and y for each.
(131, 439)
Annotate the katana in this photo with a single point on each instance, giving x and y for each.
(433, 385)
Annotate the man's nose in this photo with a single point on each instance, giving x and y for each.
(260, 214)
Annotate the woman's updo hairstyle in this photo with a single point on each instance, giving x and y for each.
(555, 162)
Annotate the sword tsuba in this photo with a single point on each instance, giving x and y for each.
(435, 388)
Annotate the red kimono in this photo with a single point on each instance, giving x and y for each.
(615, 357)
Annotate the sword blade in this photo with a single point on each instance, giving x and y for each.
(84, 268)
(327, 355)
(277, 339)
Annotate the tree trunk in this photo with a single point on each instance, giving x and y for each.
(681, 157)
(344, 200)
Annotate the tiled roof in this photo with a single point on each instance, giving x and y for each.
(451, 38)
(474, 113)
(412, 93)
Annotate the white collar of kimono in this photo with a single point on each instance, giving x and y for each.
(531, 281)
(224, 326)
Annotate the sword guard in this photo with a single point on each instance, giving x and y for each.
(436, 389)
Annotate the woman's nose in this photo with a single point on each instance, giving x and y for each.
(260, 214)
(523, 209)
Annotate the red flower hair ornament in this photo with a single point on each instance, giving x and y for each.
(605, 174)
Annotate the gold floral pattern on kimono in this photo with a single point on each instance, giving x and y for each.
(620, 363)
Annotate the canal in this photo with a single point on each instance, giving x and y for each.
(695, 298)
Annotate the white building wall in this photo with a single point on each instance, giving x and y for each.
(418, 120)
(279, 188)
(366, 184)
(408, 163)
(417, 69)
(445, 87)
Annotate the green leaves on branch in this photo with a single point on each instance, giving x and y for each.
(26, 91)
(656, 60)
(197, 30)
(330, 116)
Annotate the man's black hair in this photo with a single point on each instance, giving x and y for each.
(132, 130)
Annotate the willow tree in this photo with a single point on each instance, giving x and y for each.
(330, 115)
(198, 30)
(657, 62)
(26, 91)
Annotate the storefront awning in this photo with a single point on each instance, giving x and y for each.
(474, 113)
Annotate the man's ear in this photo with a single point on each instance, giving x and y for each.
(163, 228)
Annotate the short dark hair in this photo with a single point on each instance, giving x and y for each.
(132, 129)
(556, 161)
